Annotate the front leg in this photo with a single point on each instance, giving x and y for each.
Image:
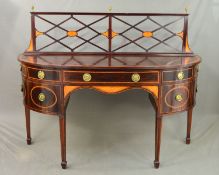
(189, 125)
(62, 126)
(27, 115)
(158, 127)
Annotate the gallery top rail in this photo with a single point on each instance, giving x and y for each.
(75, 32)
(110, 13)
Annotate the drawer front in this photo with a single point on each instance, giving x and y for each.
(23, 70)
(43, 74)
(110, 77)
(196, 70)
(23, 90)
(177, 75)
(43, 98)
(195, 91)
(176, 97)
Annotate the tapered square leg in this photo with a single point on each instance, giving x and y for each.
(189, 125)
(158, 127)
(27, 115)
(62, 125)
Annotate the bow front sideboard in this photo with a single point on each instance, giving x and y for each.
(111, 53)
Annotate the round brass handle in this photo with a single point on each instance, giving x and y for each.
(136, 77)
(41, 74)
(87, 77)
(41, 97)
(180, 75)
(178, 97)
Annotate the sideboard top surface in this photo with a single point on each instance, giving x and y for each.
(111, 62)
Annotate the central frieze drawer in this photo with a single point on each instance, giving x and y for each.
(104, 77)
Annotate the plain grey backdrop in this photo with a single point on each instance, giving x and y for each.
(109, 134)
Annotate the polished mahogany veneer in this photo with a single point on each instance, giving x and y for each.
(109, 65)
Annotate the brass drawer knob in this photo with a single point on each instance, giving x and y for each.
(41, 97)
(41, 74)
(136, 77)
(179, 97)
(22, 88)
(180, 75)
(87, 77)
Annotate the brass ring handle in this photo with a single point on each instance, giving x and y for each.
(178, 97)
(87, 77)
(180, 75)
(41, 97)
(136, 77)
(41, 74)
(22, 88)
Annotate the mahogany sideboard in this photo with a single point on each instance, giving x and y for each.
(111, 53)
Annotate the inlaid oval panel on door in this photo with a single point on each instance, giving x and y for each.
(176, 97)
(43, 97)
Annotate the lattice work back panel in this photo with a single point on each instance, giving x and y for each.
(108, 32)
